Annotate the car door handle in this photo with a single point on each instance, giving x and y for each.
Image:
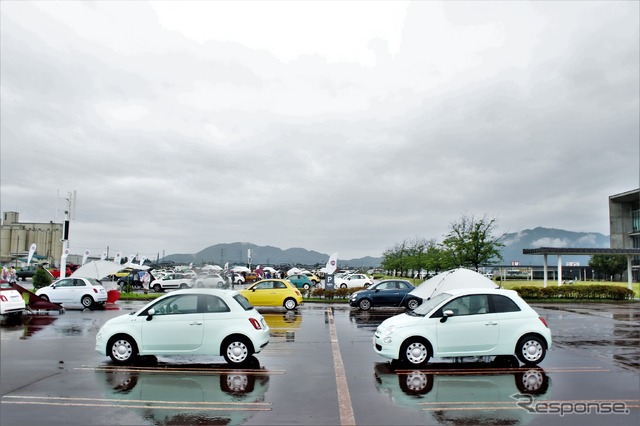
(196, 323)
(491, 323)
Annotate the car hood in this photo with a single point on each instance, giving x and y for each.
(401, 320)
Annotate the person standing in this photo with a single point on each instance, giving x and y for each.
(233, 279)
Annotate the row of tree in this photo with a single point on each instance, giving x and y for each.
(470, 243)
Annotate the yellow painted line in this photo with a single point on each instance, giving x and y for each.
(344, 399)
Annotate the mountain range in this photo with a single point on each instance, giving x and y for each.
(238, 253)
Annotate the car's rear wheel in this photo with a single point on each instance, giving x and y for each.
(122, 349)
(236, 350)
(86, 301)
(415, 352)
(290, 304)
(343, 286)
(530, 350)
(364, 305)
(413, 303)
(157, 288)
(44, 297)
(305, 286)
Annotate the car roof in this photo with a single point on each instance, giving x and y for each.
(480, 290)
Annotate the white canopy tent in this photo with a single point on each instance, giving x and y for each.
(97, 269)
(211, 268)
(455, 278)
(293, 271)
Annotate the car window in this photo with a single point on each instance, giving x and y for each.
(65, 282)
(78, 283)
(243, 302)
(278, 284)
(503, 304)
(177, 305)
(214, 304)
(468, 305)
(402, 285)
(266, 285)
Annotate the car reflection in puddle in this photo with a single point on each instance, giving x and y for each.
(282, 325)
(163, 393)
(466, 392)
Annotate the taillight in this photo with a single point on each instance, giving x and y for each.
(298, 293)
(255, 323)
(543, 321)
(95, 290)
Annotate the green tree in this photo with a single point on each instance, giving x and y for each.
(470, 243)
(608, 264)
(396, 258)
(41, 278)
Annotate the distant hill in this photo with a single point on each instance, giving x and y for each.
(237, 253)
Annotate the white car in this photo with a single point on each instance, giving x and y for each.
(211, 280)
(187, 322)
(11, 301)
(354, 280)
(87, 292)
(462, 323)
(173, 280)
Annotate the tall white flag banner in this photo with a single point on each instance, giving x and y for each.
(84, 256)
(63, 263)
(117, 258)
(32, 250)
(332, 264)
(142, 259)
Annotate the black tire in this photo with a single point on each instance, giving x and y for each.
(532, 382)
(122, 349)
(343, 286)
(416, 383)
(290, 304)
(413, 303)
(364, 304)
(531, 350)
(305, 286)
(183, 285)
(87, 301)
(236, 350)
(415, 352)
(44, 297)
(157, 288)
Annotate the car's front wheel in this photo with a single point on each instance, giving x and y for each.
(413, 303)
(290, 304)
(44, 297)
(364, 305)
(157, 288)
(415, 352)
(236, 350)
(86, 301)
(531, 350)
(183, 285)
(343, 286)
(305, 286)
(122, 349)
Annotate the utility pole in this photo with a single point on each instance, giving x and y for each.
(69, 213)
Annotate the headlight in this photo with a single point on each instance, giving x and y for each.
(389, 331)
(99, 336)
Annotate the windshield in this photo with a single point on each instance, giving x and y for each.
(428, 305)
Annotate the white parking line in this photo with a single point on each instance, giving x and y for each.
(344, 399)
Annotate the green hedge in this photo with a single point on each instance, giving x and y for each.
(601, 292)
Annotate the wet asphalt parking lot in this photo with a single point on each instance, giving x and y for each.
(320, 368)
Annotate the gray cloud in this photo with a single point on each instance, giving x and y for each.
(525, 111)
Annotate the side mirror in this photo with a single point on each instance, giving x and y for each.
(446, 314)
(150, 313)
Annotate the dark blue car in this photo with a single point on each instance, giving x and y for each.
(385, 293)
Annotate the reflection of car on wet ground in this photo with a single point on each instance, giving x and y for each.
(273, 293)
(206, 395)
(87, 292)
(465, 393)
(393, 293)
(465, 322)
(11, 302)
(187, 322)
(283, 324)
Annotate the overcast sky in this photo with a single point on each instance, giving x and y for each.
(332, 126)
